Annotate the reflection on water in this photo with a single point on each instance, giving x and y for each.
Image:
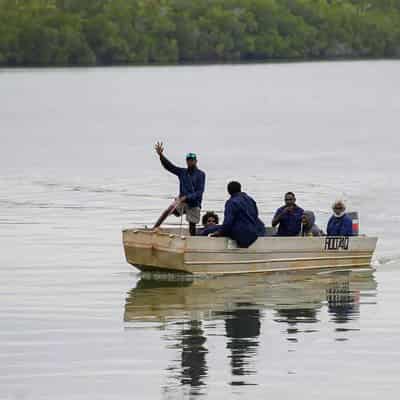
(293, 316)
(238, 307)
(194, 366)
(242, 329)
(343, 302)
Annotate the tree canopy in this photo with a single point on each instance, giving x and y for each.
(108, 32)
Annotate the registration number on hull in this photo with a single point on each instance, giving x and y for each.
(337, 243)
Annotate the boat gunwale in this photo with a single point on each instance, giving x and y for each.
(274, 237)
(243, 251)
(187, 248)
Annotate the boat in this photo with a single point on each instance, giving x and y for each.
(172, 250)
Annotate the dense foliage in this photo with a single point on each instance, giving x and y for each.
(104, 32)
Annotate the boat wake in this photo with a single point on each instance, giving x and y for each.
(387, 260)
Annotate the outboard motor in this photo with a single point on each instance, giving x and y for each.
(356, 223)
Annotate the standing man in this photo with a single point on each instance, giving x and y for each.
(288, 217)
(191, 186)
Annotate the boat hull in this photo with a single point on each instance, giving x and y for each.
(170, 252)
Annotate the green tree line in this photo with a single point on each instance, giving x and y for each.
(107, 32)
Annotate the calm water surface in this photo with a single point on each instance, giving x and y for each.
(77, 166)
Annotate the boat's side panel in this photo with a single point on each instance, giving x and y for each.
(278, 265)
(151, 251)
(271, 254)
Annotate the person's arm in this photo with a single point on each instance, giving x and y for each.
(169, 166)
(316, 231)
(199, 190)
(255, 206)
(347, 227)
(229, 218)
(277, 217)
(159, 148)
(261, 230)
(329, 228)
(211, 230)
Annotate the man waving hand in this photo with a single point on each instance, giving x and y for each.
(191, 186)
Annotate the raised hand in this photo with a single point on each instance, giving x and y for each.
(159, 148)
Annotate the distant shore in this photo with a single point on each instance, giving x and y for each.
(205, 63)
(175, 32)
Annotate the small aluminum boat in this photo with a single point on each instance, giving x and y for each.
(172, 250)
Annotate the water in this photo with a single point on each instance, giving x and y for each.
(77, 166)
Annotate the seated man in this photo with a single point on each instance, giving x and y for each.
(340, 224)
(241, 222)
(309, 228)
(210, 223)
(288, 217)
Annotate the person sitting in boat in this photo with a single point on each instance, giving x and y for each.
(210, 222)
(288, 217)
(340, 224)
(191, 186)
(308, 227)
(241, 221)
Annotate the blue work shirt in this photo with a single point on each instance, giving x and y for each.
(209, 229)
(191, 182)
(290, 222)
(342, 226)
(241, 222)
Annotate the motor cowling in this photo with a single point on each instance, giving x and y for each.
(355, 222)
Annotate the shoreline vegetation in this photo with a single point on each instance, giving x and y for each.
(146, 32)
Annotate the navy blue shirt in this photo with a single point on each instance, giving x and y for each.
(241, 222)
(209, 229)
(290, 222)
(342, 226)
(191, 182)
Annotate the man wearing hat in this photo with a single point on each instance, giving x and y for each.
(191, 186)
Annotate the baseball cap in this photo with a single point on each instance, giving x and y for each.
(191, 156)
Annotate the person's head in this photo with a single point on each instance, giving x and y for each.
(338, 208)
(234, 187)
(290, 199)
(191, 160)
(308, 219)
(210, 218)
